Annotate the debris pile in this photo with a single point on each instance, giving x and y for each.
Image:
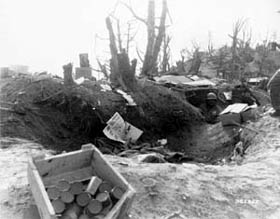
(41, 108)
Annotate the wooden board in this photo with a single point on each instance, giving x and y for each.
(105, 170)
(62, 163)
(119, 211)
(45, 208)
(71, 176)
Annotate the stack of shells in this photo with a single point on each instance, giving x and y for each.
(84, 199)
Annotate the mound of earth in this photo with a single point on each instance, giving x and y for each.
(41, 109)
(249, 189)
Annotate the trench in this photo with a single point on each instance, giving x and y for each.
(66, 130)
(65, 122)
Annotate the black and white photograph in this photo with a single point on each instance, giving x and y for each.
(140, 109)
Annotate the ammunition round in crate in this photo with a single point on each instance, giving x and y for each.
(83, 199)
(117, 193)
(106, 210)
(104, 198)
(58, 206)
(94, 207)
(84, 216)
(76, 188)
(63, 185)
(53, 193)
(105, 187)
(93, 185)
(67, 197)
(98, 217)
(73, 212)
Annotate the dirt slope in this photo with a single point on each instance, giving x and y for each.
(249, 190)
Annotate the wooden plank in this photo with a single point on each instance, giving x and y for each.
(119, 211)
(45, 208)
(62, 163)
(105, 170)
(71, 176)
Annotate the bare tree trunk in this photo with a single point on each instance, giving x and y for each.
(119, 36)
(234, 48)
(103, 69)
(128, 38)
(166, 54)
(151, 38)
(122, 74)
(160, 36)
(114, 53)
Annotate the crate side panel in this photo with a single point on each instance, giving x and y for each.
(119, 211)
(44, 206)
(71, 176)
(62, 163)
(105, 170)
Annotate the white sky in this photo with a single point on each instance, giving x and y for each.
(47, 34)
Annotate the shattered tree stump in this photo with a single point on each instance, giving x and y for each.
(67, 74)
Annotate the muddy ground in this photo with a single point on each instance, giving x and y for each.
(247, 189)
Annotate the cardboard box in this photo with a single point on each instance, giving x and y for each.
(75, 166)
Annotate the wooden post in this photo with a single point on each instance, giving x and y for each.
(67, 73)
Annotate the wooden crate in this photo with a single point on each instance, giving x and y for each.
(73, 166)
